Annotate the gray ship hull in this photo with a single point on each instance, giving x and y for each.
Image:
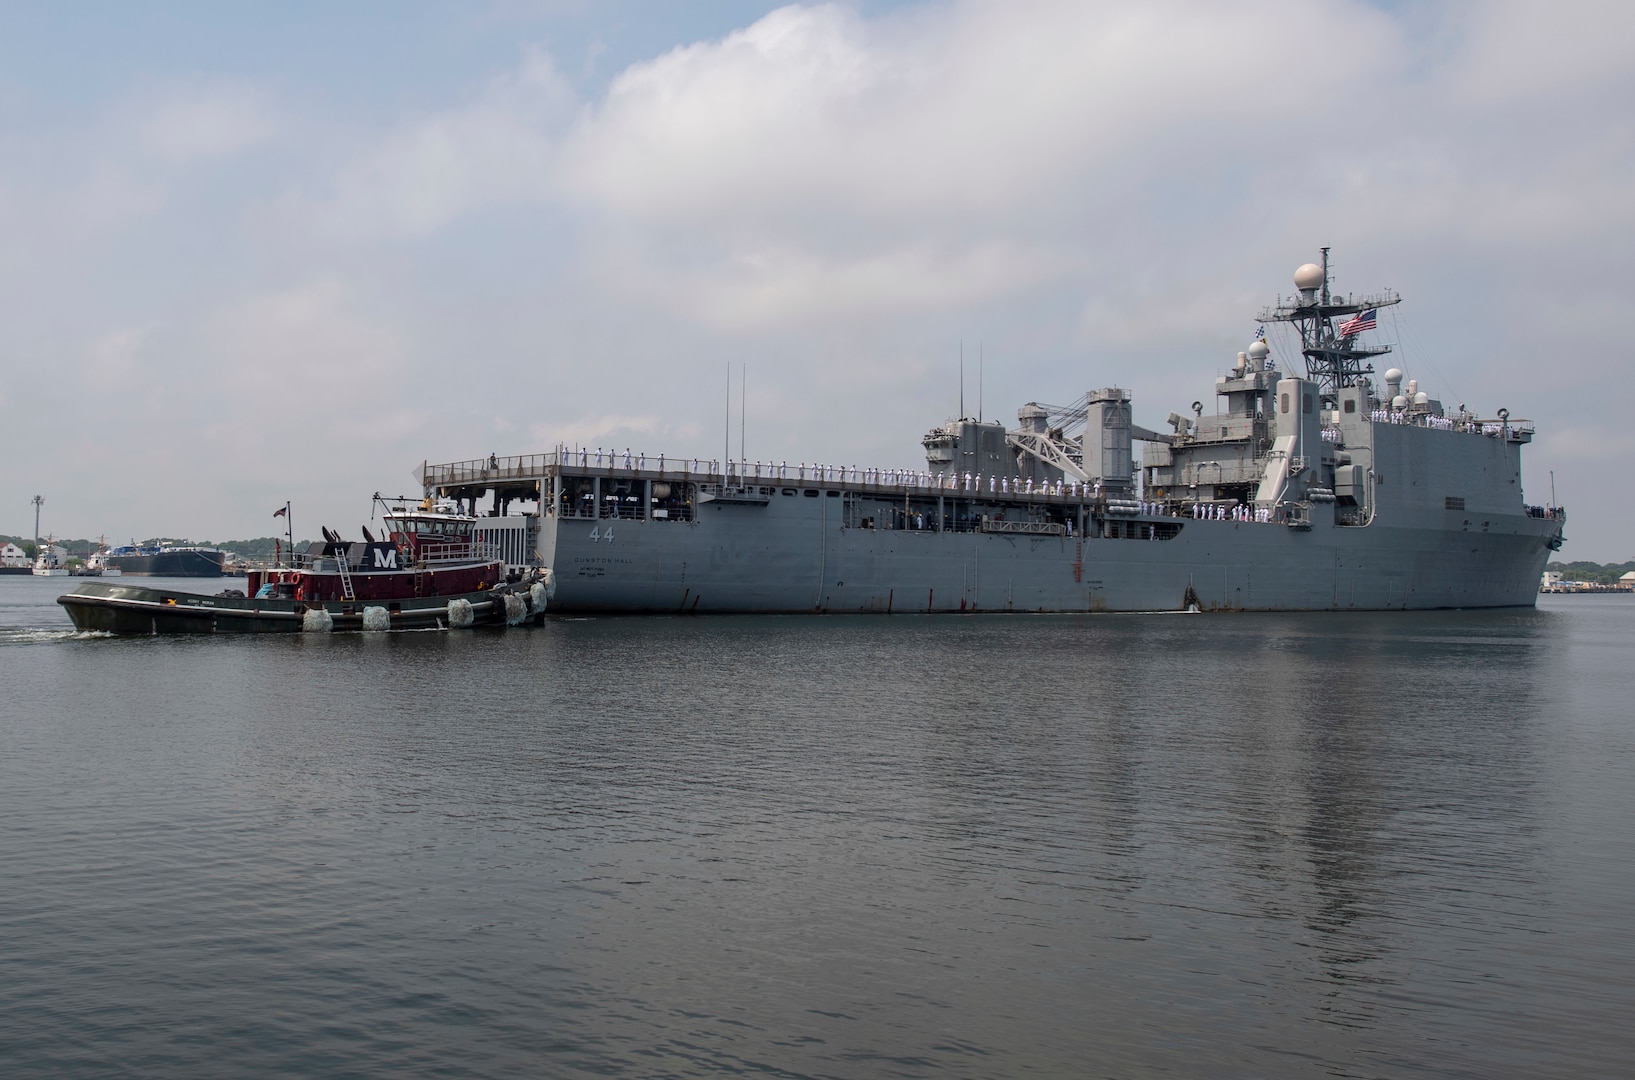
(798, 555)
(1297, 494)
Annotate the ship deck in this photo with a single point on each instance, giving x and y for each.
(525, 476)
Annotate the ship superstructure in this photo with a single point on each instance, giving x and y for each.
(1298, 491)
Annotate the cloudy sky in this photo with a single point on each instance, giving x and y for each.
(269, 252)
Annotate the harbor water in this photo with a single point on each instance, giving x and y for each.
(1228, 845)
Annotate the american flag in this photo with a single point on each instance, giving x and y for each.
(1364, 321)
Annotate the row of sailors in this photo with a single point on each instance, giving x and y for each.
(899, 478)
(1210, 512)
(966, 483)
(1018, 485)
(1241, 512)
(1438, 423)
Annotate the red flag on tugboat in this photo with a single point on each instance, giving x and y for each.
(281, 511)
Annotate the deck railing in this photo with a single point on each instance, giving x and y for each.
(485, 470)
(457, 552)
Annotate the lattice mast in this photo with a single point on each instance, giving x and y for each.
(1333, 359)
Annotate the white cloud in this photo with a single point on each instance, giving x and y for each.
(793, 286)
(1586, 445)
(208, 121)
(603, 429)
(1525, 52)
(495, 151)
(819, 163)
(1098, 191)
(968, 109)
(115, 357)
(305, 346)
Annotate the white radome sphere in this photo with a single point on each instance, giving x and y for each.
(1394, 375)
(1422, 398)
(1309, 276)
(1259, 350)
(1399, 402)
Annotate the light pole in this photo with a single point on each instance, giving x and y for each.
(38, 502)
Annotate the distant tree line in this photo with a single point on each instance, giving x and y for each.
(1606, 573)
(259, 548)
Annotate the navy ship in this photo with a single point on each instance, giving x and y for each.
(158, 559)
(1316, 490)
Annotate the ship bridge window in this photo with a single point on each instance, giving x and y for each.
(1284, 404)
(1351, 405)
(810, 494)
(788, 491)
(1305, 402)
(832, 494)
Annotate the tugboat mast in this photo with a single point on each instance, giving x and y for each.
(1333, 358)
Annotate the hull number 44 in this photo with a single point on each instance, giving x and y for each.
(597, 534)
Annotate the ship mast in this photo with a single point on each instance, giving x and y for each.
(1333, 359)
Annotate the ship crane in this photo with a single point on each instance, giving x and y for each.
(1068, 418)
(1057, 453)
(1059, 445)
(1056, 446)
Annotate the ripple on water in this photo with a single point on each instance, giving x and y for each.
(1346, 845)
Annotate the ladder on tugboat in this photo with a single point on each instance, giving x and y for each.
(341, 561)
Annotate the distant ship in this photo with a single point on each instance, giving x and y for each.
(49, 562)
(1315, 491)
(98, 566)
(163, 560)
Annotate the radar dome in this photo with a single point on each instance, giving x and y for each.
(1399, 402)
(1259, 350)
(1309, 276)
(1422, 398)
(1394, 375)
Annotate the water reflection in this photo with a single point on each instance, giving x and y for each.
(1244, 845)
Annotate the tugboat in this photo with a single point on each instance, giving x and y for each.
(426, 573)
(98, 565)
(48, 563)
